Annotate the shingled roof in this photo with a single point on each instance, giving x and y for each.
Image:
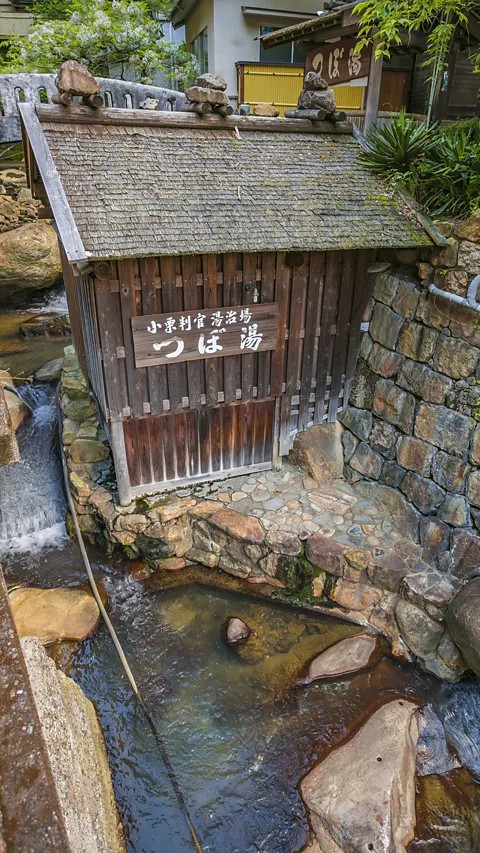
(134, 191)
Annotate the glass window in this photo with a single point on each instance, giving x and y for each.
(199, 49)
(284, 53)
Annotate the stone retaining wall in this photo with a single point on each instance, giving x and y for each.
(412, 422)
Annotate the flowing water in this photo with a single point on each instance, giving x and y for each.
(240, 736)
(32, 506)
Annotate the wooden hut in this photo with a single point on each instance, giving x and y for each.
(217, 272)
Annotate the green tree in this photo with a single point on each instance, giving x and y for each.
(107, 36)
(383, 20)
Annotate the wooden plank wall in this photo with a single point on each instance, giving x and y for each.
(199, 443)
(321, 298)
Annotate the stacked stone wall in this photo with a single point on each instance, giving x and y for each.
(412, 423)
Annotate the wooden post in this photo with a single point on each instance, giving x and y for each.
(441, 98)
(373, 90)
(117, 443)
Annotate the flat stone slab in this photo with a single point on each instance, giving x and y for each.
(243, 527)
(349, 655)
(362, 796)
(333, 500)
(54, 614)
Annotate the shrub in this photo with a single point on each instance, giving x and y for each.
(439, 165)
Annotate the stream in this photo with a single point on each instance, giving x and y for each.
(240, 736)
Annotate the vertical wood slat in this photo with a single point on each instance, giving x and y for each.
(282, 279)
(193, 460)
(131, 450)
(108, 312)
(204, 437)
(136, 377)
(144, 451)
(329, 308)
(248, 361)
(343, 328)
(190, 299)
(232, 295)
(210, 301)
(312, 322)
(362, 291)
(267, 295)
(156, 445)
(177, 374)
(179, 444)
(297, 313)
(156, 376)
(169, 446)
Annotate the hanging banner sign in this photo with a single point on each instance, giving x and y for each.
(337, 62)
(204, 333)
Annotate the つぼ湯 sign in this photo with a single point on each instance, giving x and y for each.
(204, 333)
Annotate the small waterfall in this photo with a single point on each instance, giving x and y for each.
(32, 504)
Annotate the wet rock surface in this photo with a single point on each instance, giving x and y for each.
(54, 614)
(343, 658)
(374, 809)
(464, 625)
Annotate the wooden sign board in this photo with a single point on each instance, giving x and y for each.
(204, 333)
(337, 63)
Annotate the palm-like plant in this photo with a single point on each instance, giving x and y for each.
(395, 149)
(449, 177)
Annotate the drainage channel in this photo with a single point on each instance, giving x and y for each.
(158, 739)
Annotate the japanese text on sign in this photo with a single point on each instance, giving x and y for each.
(204, 333)
(338, 62)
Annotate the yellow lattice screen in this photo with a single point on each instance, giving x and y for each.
(349, 97)
(281, 85)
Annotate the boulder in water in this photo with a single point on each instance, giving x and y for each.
(236, 630)
(17, 409)
(362, 796)
(54, 614)
(343, 658)
(29, 259)
(463, 622)
(47, 325)
(51, 371)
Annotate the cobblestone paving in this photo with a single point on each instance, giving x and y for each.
(290, 501)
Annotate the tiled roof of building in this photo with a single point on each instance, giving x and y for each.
(139, 191)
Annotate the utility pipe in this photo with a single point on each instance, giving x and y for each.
(468, 301)
(162, 748)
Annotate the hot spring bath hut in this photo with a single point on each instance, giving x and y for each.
(217, 272)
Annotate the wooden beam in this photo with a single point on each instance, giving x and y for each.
(145, 118)
(326, 36)
(68, 231)
(373, 91)
(117, 443)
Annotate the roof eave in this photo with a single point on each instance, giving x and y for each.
(67, 228)
(181, 11)
(296, 32)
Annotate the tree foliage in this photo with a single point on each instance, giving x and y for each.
(107, 36)
(382, 21)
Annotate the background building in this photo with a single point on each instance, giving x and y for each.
(224, 35)
(15, 18)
